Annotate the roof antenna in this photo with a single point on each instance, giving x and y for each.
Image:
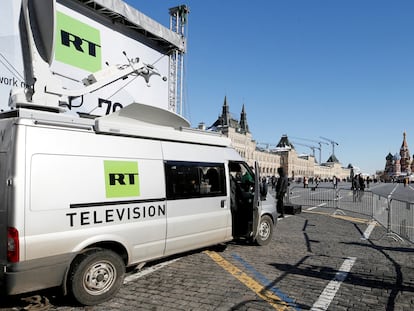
(131, 61)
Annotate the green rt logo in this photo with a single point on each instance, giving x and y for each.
(121, 179)
(77, 44)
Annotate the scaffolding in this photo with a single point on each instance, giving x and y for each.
(178, 21)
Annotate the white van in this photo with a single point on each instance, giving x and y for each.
(83, 198)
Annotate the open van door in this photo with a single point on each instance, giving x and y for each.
(244, 196)
(256, 202)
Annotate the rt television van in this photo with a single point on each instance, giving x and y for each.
(82, 198)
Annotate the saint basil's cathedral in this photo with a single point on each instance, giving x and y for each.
(399, 165)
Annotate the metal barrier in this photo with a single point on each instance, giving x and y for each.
(399, 219)
(356, 201)
(396, 216)
(312, 196)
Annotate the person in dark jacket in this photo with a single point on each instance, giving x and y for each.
(263, 189)
(281, 189)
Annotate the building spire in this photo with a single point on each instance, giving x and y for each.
(405, 155)
(225, 115)
(243, 121)
(404, 143)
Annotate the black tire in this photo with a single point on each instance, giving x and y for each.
(96, 276)
(264, 236)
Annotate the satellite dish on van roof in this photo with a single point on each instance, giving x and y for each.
(148, 114)
(140, 120)
(42, 19)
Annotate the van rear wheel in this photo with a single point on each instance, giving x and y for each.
(265, 233)
(96, 276)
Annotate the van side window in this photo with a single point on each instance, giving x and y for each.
(194, 179)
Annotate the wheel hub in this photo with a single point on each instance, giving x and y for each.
(99, 278)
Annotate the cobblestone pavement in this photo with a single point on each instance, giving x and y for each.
(305, 266)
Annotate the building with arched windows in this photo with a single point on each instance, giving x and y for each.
(282, 155)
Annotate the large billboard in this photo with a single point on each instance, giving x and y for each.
(85, 43)
(11, 62)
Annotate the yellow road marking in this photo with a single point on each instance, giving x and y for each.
(268, 296)
(344, 217)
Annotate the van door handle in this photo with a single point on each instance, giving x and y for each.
(223, 203)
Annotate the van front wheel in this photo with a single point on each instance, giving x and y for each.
(96, 276)
(265, 233)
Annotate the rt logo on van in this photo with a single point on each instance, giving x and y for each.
(121, 179)
(77, 43)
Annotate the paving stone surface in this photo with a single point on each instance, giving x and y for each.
(291, 273)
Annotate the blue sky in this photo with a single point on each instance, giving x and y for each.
(341, 69)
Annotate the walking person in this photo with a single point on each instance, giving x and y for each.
(273, 182)
(355, 188)
(263, 189)
(361, 187)
(368, 181)
(281, 189)
(335, 182)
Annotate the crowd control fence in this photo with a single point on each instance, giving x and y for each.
(396, 216)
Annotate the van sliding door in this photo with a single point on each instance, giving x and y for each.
(197, 209)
